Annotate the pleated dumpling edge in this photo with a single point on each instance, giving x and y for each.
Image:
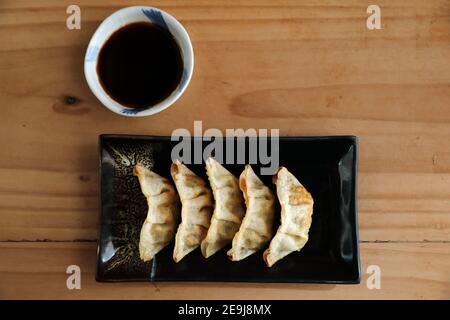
(229, 208)
(158, 229)
(196, 210)
(256, 229)
(296, 217)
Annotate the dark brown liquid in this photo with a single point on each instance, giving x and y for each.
(140, 65)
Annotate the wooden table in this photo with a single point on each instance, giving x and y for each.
(305, 68)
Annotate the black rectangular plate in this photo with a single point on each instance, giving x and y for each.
(326, 166)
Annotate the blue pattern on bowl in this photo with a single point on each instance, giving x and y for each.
(92, 53)
(132, 111)
(156, 17)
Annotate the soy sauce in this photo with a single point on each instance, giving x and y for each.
(140, 65)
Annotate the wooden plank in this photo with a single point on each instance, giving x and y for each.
(37, 270)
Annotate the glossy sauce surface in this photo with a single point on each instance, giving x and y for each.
(140, 65)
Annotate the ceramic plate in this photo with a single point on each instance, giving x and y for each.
(326, 166)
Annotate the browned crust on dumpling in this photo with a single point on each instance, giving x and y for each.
(197, 206)
(158, 229)
(297, 228)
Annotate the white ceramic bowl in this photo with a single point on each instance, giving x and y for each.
(118, 20)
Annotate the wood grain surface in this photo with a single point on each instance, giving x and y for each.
(305, 67)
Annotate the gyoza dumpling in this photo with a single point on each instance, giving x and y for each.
(256, 227)
(163, 213)
(196, 209)
(296, 212)
(228, 210)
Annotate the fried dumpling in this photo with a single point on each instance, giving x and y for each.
(196, 209)
(228, 210)
(163, 213)
(256, 228)
(296, 217)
